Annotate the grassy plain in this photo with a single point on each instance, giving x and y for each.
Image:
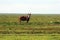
(40, 27)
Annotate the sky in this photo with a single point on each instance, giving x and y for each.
(33, 6)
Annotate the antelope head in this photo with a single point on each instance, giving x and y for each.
(29, 15)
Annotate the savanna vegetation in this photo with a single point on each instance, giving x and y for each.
(40, 27)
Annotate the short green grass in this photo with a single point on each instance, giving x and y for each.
(9, 23)
(30, 37)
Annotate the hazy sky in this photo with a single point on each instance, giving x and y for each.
(35, 6)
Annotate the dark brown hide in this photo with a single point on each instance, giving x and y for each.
(25, 18)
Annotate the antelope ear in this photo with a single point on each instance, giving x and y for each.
(30, 13)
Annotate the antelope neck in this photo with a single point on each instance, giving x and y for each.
(28, 16)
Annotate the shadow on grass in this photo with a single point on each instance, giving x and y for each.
(32, 23)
